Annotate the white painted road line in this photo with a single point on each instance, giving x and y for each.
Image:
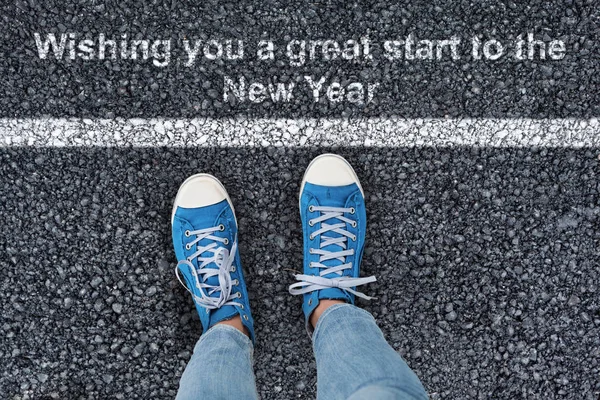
(235, 132)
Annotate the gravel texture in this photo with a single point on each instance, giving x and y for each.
(487, 257)
(412, 88)
(487, 262)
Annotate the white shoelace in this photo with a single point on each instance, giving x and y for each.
(310, 283)
(222, 258)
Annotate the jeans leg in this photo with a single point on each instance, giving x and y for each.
(354, 361)
(220, 368)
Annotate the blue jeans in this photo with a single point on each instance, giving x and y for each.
(353, 362)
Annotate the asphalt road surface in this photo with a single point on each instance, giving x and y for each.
(446, 87)
(487, 266)
(481, 179)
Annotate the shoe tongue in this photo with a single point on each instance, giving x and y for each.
(208, 218)
(213, 280)
(333, 294)
(335, 197)
(224, 312)
(334, 262)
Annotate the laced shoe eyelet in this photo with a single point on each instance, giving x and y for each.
(239, 295)
(311, 208)
(245, 317)
(226, 242)
(236, 282)
(310, 222)
(241, 306)
(233, 268)
(310, 302)
(207, 311)
(187, 233)
(221, 227)
(187, 246)
(354, 224)
(352, 210)
(311, 250)
(311, 237)
(354, 238)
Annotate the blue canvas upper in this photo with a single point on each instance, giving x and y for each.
(349, 196)
(194, 219)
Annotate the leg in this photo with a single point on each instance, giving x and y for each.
(355, 362)
(204, 231)
(220, 368)
(353, 359)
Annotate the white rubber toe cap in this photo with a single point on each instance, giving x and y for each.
(330, 170)
(200, 190)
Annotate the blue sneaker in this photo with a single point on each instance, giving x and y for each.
(204, 232)
(334, 221)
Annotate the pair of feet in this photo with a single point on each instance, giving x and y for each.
(204, 229)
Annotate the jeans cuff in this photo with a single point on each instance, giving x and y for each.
(346, 308)
(227, 330)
